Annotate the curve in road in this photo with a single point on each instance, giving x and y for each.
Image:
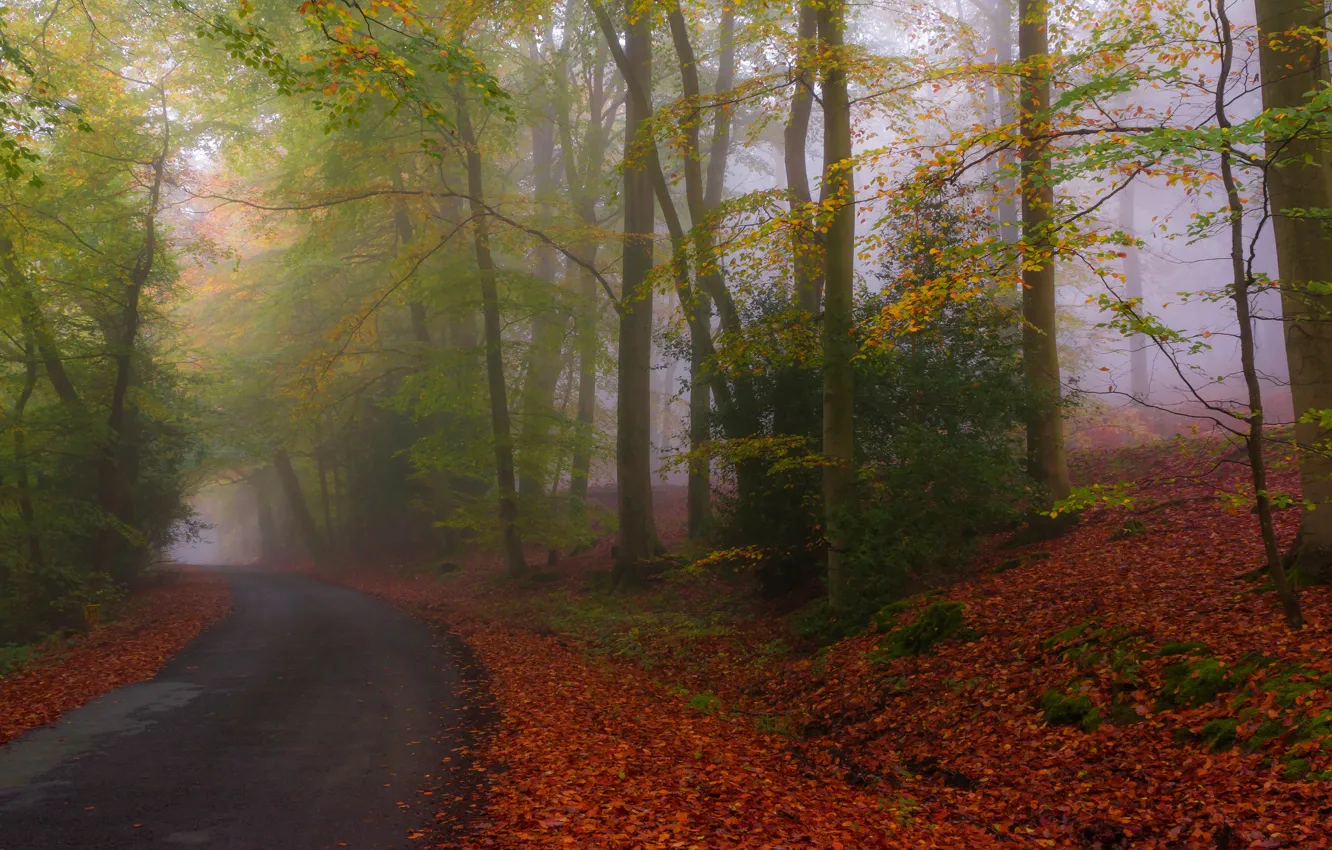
(312, 717)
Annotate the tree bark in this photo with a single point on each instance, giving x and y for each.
(27, 513)
(1241, 282)
(1000, 16)
(1138, 377)
(806, 244)
(1294, 64)
(114, 487)
(270, 548)
(638, 534)
(699, 313)
(547, 333)
(1047, 461)
(300, 509)
(510, 542)
(581, 182)
(839, 342)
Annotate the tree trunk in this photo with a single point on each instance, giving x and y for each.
(1001, 41)
(805, 248)
(547, 335)
(1241, 281)
(511, 543)
(1138, 377)
(300, 509)
(115, 494)
(402, 225)
(1293, 59)
(794, 411)
(269, 545)
(839, 342)
(1046, 459)
(699, 313)
(324, 499)
(583, 197)
(27, 513)
(633, 454)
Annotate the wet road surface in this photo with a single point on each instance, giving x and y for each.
(309, 718)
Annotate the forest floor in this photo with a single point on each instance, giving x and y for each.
(152, 626)
(1126, 685)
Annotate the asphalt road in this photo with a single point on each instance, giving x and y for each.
(312, 717)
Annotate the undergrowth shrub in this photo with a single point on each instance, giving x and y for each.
(937, 408)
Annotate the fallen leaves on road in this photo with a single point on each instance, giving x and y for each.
(160, 622)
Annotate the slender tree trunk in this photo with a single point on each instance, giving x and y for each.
(1293, 58)
(511, 543)
(402, 225)
(115, 486)
(1241, 282)
(27, 513)
(548, 326)
(300, 509)
(1001, 41)
(269, 545)
(1138, 377)
(794, 410)
(31, 311)
(839, 342)
(589, 346)
(698, 313)
(1046, 458)
(638, 533)
(324, 499)
(738, 418)
(807, 264)
(664, 433)
(583, 196)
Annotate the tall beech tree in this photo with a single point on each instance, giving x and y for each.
(1293, 58)
(1046, 454)
(633, 448)
(501, 430)
(839, 340)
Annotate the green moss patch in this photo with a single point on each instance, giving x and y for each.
(1219, 734)
(1064, 709)
(935, 624)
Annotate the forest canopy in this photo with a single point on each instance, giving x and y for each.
(400, 279)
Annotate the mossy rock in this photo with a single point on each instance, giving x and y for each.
(933, 625)
(1062, 709)
(1219, 734)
